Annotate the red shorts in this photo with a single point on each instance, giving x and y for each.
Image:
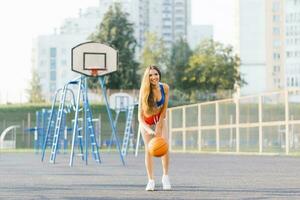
(152, 119)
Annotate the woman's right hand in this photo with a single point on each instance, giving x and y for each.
(148, 129)
(151, 132)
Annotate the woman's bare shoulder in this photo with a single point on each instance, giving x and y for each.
(166, 87)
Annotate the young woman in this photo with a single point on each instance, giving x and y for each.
(153, 103)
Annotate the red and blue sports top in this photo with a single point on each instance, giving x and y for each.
(162, 100)
(155, 118)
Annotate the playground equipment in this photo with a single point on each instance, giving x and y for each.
(48, 134)
(88, 125)
(89, 59)
(59, 120)
(40, 130)
(128, 133)
(122, 102)
(8, 143)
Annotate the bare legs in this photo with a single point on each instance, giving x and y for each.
(165, 159)
(149, 159)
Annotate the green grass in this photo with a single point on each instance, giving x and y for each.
(24, 115)
(17, 150)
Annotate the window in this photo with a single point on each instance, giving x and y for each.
(276, 56)
(52, 52)
(276, 31)
(52, 75)
(276, 18)
(274, 68)
(276, 43)
(166, 27)
(52, 64)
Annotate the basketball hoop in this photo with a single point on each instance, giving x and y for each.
(94, 59)
(94, 72)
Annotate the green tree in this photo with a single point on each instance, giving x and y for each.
(179, 60)
(116, 31)
(212, 68)
(35, 90)
(154, 52)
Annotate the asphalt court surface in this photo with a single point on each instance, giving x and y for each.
(193, 176)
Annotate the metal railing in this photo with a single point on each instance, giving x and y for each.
(11, 142)
(265, 123)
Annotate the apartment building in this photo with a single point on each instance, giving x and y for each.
(269, 38)
(292, 43)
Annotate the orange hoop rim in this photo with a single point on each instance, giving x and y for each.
(94, 72)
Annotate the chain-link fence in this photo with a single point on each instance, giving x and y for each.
(266, 123)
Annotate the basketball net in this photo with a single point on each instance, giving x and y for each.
(94, 72)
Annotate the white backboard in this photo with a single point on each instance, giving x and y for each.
(120, 101)
(94, 59)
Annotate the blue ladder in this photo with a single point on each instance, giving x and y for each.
(91, 130)
(128, 130)
(80, 142)
(58, 123)
(89, 127)
(51, 124)
(51, 121)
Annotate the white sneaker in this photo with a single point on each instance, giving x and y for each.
(150, 186)
(166, 182)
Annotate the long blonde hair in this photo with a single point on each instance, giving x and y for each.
(147, 97)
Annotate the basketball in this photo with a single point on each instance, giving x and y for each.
(158, 146)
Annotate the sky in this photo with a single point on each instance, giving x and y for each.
(23, 20)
